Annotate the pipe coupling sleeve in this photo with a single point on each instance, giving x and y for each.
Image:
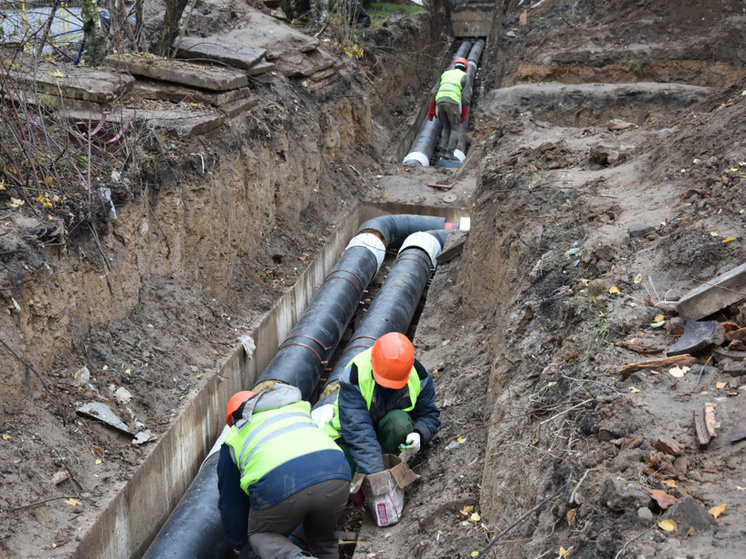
(416, 157)
(423, 241)
(372, 243)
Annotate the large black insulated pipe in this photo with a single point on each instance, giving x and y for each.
(474, 55)
(426, 139)
(300, 359)
(194, 529)
(395, 303)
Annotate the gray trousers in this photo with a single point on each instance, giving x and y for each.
(317, 507)
(449, 114)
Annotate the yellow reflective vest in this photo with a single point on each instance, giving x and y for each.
(273, 437)
(450, 85)
(367, 384)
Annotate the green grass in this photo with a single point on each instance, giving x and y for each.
(379, 11)
(636, 66)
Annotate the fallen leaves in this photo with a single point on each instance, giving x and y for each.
(663, 499)
(73, 502)
(658, 321)
(717, 511)
(678, 372)
(667, 525)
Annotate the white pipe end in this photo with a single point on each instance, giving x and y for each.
(423, 241)
(372, 243)
(418, 158)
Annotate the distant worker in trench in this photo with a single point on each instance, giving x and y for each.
(293, 473)
(385, 405)
(452, 97)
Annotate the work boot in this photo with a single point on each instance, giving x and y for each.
(302, 555)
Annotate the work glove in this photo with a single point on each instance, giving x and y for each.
(410, 447)
(431, 111)
(464, 113)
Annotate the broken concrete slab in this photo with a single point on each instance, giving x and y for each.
(295, 65)
(96, 85)
(698, 337)
(716, 294)
(184, 73)
(313, 87)
(260, 68)
(239, 106)
(102, 412)
(216, 49)
(151, 89)
(182, 123)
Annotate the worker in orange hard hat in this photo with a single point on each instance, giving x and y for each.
(278, 471)
(385, 404)
(452, 96)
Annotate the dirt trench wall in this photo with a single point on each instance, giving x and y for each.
(521, 306)
(233, 209)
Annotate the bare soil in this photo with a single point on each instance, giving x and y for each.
(523, 332)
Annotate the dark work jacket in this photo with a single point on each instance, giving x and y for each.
(358, 424)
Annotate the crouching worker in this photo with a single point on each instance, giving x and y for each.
(292, 472)
(385, 404)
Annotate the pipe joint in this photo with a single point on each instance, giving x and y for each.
(425, 242)
(372, 242)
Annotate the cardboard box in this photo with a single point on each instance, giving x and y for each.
(384, 491)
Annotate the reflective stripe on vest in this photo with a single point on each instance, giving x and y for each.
(450, 85)
(367, 384)
(258, 447)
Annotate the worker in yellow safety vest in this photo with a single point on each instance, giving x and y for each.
(451, 96)
(385, 404)
(291, 470)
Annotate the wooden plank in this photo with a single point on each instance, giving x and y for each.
(677, 360)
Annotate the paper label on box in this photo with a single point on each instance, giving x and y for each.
(383, 518)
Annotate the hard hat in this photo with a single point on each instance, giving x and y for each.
(235, 402)
(392, 360)
(461, 63)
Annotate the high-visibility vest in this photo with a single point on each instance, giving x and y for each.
(367, 385)
(450, 85)
(273, 437)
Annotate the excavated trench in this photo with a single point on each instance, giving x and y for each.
(125, 527)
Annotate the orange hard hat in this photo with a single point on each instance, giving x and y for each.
(392, 360)
(461, 61)
(234, 403)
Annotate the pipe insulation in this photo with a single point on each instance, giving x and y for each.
(395, 303)
(301, 358)
(427, 138)
(194, 528)
(471, 72)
